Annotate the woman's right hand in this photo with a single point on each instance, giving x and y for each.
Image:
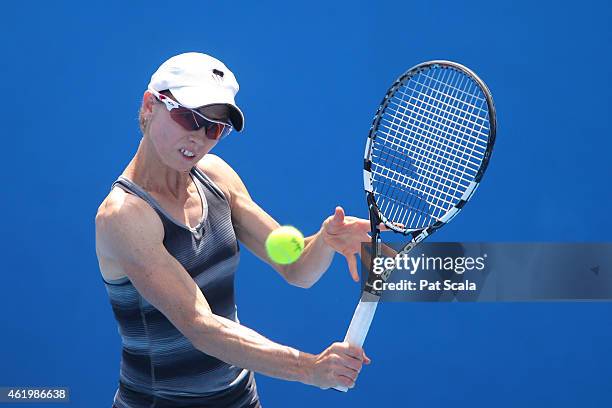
(339, 364)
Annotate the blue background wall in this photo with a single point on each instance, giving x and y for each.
(311, 75)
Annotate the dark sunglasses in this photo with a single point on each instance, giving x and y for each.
(191, 119)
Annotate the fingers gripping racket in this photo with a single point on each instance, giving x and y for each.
(428, 148)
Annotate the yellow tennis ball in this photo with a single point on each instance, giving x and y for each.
(285, 245)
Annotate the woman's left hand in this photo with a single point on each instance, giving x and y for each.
(345, 234)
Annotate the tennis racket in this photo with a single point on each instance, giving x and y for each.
(428, 148)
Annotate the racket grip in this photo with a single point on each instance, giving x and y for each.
(360, 324)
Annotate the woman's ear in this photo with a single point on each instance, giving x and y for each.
(148, 99)
(146, 110)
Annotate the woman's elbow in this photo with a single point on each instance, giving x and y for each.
(294, 280)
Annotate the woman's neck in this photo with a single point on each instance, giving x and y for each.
(148, 171)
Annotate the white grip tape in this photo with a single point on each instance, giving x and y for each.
(360, 324)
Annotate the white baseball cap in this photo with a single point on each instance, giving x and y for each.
(197, 80)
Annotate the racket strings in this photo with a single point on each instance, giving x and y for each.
(427, 143)
(473, 96)
(446, 125)
(452, 155)
(456, 115)
(437, 193)
(421, 120)
(406, 185)
(431, 140)
(447, 171)
(421, 208)
(468, 121)
(454, 187)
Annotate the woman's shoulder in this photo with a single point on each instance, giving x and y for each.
(126, 228)
(212, 164)
(120, 207)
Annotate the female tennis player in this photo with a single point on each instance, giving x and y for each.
(166, 239)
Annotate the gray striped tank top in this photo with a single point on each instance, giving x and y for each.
(158, 363)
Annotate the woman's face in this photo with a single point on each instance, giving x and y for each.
(178, 148)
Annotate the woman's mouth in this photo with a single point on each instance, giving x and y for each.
(188, 154)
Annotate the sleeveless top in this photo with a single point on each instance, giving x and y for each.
(158, 362)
